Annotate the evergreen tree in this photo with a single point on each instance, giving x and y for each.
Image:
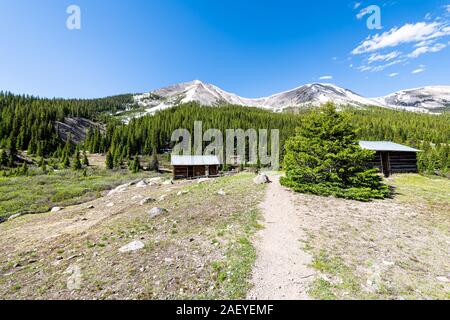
(109, 161)
(3, 158)
(24, 169)
(154, 163)
(324, 158)
(66, 161)
(76, 162)
(85, 159)
(136, 166)
(10, 161)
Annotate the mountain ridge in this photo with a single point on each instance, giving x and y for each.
(428, 99)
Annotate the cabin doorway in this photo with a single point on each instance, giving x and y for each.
(190, 172)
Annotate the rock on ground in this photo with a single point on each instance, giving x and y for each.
(141, 184)
(74, 280)
(56, 209)
(261, 179)
(157, 212)
(146, 201)
(119, 189)
(132, 246)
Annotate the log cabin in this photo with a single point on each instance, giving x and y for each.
(392, 157)
(191, 167)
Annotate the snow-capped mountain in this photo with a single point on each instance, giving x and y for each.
(313, 95)
(427, 99)
(210, 95)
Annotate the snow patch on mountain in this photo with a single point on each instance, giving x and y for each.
(209, 95)
(427, 99)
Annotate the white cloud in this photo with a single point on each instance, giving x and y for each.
(426, 49)
(357, 5)
(392, 75)
(419, 70)
(447, 7)
(386, 57)
(380, 67)
(425, 43)
(408, 33)
(326, 78)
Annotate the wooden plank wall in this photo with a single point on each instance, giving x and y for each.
(400, 162)
(403, 162)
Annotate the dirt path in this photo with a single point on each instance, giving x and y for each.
(281, 271)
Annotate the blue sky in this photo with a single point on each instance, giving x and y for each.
(250, 47)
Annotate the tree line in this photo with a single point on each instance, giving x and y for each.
(28, 124)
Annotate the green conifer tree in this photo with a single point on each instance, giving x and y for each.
(85, 159)
(324, 158)
(154, 163)
(3, 158)
(136, 166)
(109, 161)
(76, 162)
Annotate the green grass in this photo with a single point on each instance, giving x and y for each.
(240, 257)
(335, 268)
(36, 194)
(417, 188)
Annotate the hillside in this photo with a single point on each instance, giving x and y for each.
(115, 248)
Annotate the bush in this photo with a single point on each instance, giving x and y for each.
(324, 158)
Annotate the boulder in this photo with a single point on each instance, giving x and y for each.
(74, 280)
(154, 180)
(155, 212)
(261, 179)
(146, 200)
(132, 246)
(443, 279)
(168, 182)
(119, 189)
(221, 192)
(110, 205)
(56, 209)
(137, 197)
(141, 184)
(180, 193)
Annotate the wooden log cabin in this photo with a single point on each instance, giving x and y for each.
(190, 167)
(391, 157)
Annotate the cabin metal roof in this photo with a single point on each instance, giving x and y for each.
(194, 160)
(385, 146)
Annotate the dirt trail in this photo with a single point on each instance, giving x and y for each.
(281, 271)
